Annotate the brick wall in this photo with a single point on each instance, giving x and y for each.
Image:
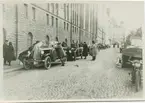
(38, 27)
(9, 22)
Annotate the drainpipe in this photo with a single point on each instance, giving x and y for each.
(16, 14)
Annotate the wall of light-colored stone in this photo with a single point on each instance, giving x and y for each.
(39, 27)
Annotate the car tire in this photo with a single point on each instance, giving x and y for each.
(47, 63)
(26, 64)
(123, 64)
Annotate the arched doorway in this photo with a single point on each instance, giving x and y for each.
(56, 39)
(30, 39)
(4, 35)
(66, 40)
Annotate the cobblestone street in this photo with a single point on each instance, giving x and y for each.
(82, 79)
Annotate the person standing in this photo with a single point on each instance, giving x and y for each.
(37, 48)
(10, 53)
(5, 51)
(85, 50)
(93, 50)
(60, 52)
(73, 47)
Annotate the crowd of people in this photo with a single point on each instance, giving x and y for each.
(92, 50)
(9, 55)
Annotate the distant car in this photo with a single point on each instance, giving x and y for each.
(130, 53)
(100, 46)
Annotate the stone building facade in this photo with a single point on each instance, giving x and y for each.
(24, 24)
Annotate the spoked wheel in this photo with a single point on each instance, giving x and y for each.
(47, 63)
(27, 64)
(137, 81)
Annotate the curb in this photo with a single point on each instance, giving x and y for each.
(12, 69)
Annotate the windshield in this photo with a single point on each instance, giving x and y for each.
(136, 42)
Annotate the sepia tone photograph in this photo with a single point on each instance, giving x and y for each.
(73, 50)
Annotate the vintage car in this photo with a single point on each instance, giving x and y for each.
(130, 53)
(103, 46)
(73, 53)
(48, 56)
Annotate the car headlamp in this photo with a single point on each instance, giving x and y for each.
(69, 51)
(137, 65)
(141, 61)
(29, 53)
(42, 52)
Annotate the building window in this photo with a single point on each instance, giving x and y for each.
(3, 7)
(56, 22)
(47, 17)
(52, 6)
(48, 6)
(56, 39)
(56, 8)
(73, 16)
(77, 19)
(73, 29)
(52, 20)
(68, 12)
(64, 11)
(34, 12)
(64, 25)
(66, 40)
(26, 10)
(67, 26)
(30, 39)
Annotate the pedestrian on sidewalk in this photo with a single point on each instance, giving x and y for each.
(93, 51)
(85, 50)
(5, 51)
(10, 53)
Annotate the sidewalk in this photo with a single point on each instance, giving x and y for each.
(15, 65)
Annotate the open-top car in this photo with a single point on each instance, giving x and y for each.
(131, 53)
(48, 56)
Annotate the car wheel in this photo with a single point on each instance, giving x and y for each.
(26, 64)
(123, 63)
(47, 63)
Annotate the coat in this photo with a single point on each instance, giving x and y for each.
(37, 50)
(60, 52)
(85, 50)
(5, 50)
(10, 53)
(94, 50)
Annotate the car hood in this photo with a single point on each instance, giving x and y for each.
(133, 51)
